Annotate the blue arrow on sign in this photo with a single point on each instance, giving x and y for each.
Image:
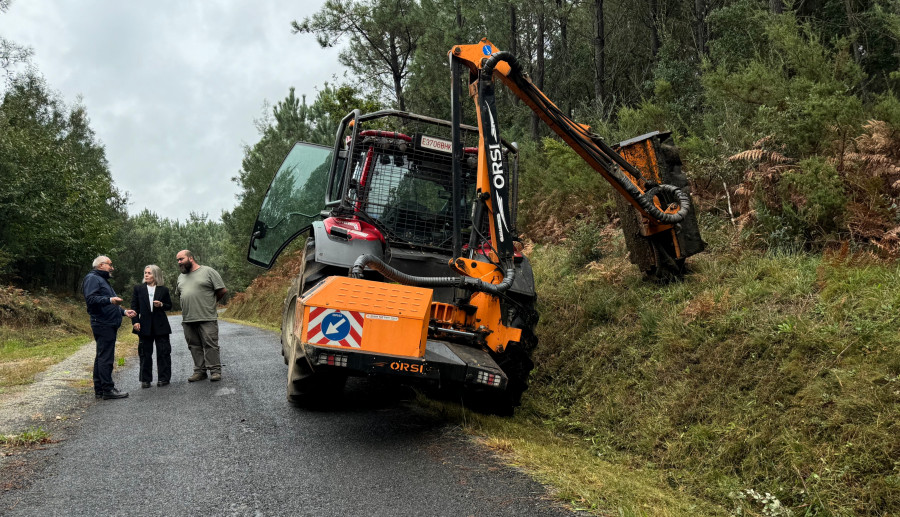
(335, 326)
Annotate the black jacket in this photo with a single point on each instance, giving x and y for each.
(154, 323)
(97, 292)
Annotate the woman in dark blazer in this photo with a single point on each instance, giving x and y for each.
(151, 300)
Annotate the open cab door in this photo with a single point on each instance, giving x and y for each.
(293, 201)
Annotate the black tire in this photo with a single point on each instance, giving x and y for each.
(306, 385)
(288, 317)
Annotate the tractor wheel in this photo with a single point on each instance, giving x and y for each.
(306, 385)
(288, 316)
(312, 388)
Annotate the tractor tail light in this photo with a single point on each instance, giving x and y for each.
(488, 378)
(331, 359)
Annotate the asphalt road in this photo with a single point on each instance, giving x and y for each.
(236, 447)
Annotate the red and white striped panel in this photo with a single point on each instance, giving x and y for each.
(318, 335)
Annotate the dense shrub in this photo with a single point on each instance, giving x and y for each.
(557, 189)
(584, 243)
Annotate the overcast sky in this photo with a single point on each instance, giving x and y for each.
(172, 88)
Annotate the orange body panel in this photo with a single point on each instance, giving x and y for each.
(642, 155)
(488, 316)
(362, 315)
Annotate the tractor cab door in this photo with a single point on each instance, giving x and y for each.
(294, 200)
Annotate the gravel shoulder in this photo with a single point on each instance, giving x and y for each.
(53, 403)
(57, 395)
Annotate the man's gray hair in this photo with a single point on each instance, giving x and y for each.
(157, 273)
(100, 260)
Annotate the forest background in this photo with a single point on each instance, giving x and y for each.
(786, 89)
(788, 120)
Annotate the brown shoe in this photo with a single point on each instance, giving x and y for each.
(215, 376)
(198, 376)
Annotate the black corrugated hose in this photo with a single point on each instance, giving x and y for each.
(463, 282)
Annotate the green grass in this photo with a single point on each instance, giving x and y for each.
(759, 372)
(37, 331)
(32, 436)
(577, 474)
(40, 330)
(22, 359)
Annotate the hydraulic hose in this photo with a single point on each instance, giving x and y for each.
(644, 199)
(496, 57)
(463, 282)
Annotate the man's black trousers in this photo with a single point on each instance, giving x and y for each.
(105, 337)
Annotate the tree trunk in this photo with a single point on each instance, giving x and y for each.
(513, 30)
(854, 38)
(538, 74)
(599, 52)
(654, 28)
(565, 94)
(396, 73)
(702, 31)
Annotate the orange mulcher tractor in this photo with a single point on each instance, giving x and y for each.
(412, 266)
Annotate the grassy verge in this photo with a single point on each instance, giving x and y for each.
(40, 330)
(262, 302)
(262, 325)
(759, 374)
(37, 331)
(22, 359)
(577, 475)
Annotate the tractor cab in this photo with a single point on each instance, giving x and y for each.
(391, 171)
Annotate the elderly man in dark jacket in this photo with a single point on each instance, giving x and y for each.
(104, 307)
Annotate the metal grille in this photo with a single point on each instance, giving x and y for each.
(402, 179)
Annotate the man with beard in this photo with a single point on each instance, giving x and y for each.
(104, 307)
(200, 288)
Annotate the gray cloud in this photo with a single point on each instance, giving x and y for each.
(173, 88)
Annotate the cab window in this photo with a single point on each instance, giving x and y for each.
(293, 201)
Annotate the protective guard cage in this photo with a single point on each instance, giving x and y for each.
(402, 179)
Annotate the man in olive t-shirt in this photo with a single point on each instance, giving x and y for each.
(200, 288)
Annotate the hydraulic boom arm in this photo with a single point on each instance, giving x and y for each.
(661, 206)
